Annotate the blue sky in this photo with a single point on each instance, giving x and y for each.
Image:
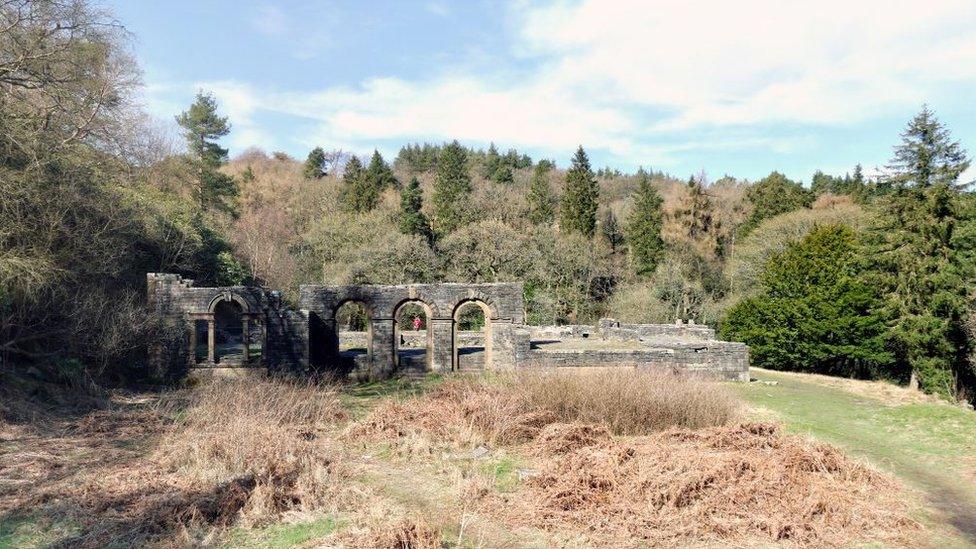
(736, 88)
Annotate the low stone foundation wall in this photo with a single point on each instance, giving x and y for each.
(727, 362)
(686, 348)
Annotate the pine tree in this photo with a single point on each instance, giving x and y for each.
(202, 128)
(927, 155)
(452, 185)
(314, 164)
(644, 227)
(541, 200)
(412, 219)
(493, 161)
(579, 204)
(922, 258)
(380, 175)
(503, 175)
(356, 191)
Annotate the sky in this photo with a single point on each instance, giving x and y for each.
(729, 88)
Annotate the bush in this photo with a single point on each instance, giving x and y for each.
(814, 313)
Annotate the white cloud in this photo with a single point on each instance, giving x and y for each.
(624, 77)
(438, 8)
(720, 63)
(269, 20)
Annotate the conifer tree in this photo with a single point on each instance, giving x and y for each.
(202, 128)
(927, 155)
(541, 200)
(314, 164)
(644, 227)
(355, 188)
(493, 161)
(922, 258)
(814, 313)
(380, 175)
(412, 219)
(452, 185)
(579, 203)
(773, 195)
(503, 175)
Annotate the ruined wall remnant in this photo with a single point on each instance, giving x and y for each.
(502, 305)
(232, 326)
(243, 326)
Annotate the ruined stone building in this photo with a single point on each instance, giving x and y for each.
(251, 327)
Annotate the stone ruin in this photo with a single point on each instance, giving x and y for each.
(242, 327)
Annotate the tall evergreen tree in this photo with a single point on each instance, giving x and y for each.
(493, 161)
(927, 155)
(541, 200)
(452, 185)
(579, 203)
(922, 257)
(412, 219)
(644, 227)
(202, 128)
(380, 175)
(504, 174)
(356, 191)
(315, 164)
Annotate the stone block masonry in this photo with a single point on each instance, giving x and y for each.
(251, 327)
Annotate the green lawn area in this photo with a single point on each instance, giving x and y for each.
(930, 446)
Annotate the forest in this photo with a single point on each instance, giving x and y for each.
(846, 275)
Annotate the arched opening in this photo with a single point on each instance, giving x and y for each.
(229, 333)
(354, 333)
(472, 336)
(413, 338)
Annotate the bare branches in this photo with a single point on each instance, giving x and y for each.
(64, 75)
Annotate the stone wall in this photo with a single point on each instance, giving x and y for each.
(502, 305)
(682, 348)
(175, 301)
(299, 341)
(611, 329)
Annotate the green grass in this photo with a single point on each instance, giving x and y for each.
(28, 531)
(504, 472)
(282, 535)
(930, 446)
(359, 398)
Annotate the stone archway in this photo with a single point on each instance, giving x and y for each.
(230, 332)
(472, 348)
(352, 320)
(413, 336)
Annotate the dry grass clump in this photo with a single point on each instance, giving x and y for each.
(267, 435)
(696, 480)
(629, 401)
(405, 533)
(747, 483)
(462, 411)
(515, 408)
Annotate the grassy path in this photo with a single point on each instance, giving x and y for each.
(930, 446)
